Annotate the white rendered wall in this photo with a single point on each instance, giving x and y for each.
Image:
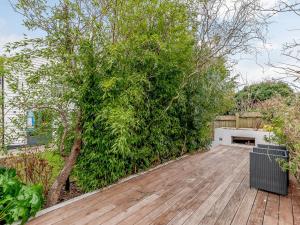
(13, 134)
(223, 136)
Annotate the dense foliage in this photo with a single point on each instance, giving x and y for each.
(137, 112)
(249, 96)
(18, 202)
(283, 116)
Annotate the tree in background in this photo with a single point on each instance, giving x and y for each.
(248, 98)
(129, 83)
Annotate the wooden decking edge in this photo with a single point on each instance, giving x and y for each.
(62, 204)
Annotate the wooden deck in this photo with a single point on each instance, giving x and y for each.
(205, 188)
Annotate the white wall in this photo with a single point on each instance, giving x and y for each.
(223, 136)
(15, 135)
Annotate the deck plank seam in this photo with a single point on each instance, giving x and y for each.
(225, 184)
(244, 176)
(207, 177)
(252, 207)
(231, 197)
(237, 209)
(265, 209)
(192, 211)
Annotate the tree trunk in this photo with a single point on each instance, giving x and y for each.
(54, 192)
(62, 143)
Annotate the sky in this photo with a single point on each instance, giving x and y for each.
(11, 28)
(284, 28)
(251, 68)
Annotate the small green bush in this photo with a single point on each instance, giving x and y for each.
(18, 202)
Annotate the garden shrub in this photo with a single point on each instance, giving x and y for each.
(136, 111)
(283, 117)
(18, 202)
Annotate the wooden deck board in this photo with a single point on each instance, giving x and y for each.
(211, 217)
(205, 188)
(258, 210)
(272, 209)
(234, 203)
(285, 211)
(243, 213)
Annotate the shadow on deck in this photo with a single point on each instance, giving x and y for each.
(205, 188)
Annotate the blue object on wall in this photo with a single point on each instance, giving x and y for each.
(30, 119)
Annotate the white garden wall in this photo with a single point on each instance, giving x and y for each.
(223, 136)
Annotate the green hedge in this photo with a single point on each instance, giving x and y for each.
(144, 105)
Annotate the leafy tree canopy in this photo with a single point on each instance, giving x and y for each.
(250, 95)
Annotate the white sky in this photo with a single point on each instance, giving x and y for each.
(284, 28)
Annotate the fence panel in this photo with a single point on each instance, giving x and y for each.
(246, 120)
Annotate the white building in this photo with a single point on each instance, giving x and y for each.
(16, 132)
